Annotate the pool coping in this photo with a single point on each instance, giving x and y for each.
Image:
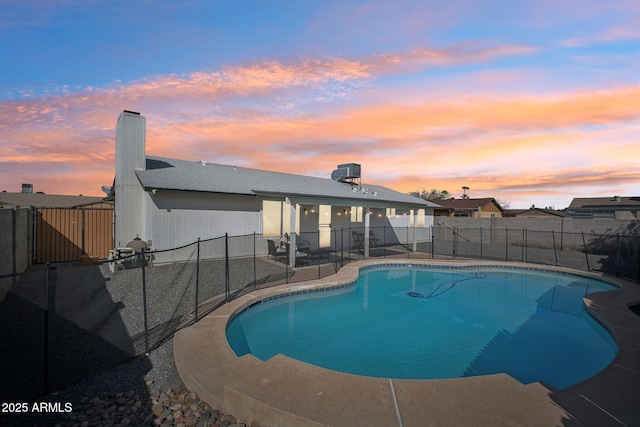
(286, 392)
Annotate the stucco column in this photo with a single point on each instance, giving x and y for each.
(415, 230)
(367, 219)
(292, 233)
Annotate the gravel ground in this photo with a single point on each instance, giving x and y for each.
(144, 391)
(96, 338)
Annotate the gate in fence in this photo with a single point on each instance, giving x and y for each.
(63, 234)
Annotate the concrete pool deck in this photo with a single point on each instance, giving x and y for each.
(286, 392)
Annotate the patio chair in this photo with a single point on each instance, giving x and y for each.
(358, 240)
(301, 244)
(373, 240)
(276, 251)
(299, 255)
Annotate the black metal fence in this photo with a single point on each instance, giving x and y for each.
(614, 254)
(120, 308)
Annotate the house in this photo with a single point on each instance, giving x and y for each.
(170, 202)
(615, 207)
(475, 208)
(532, 213)
(41, 200)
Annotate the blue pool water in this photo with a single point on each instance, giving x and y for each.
(425, 323)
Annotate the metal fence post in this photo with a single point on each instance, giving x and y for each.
(586, 252)
(83, 233)
(144, 301)
(197, 276)
(526, 244)
(318, 253)
(255, 276)
(617, 254)
(14, 238)
(638, 252)
(433, 245)
(341, 247)
(481, 243)
(349, 237)
(506, 244)
(226, 267)
(46, 329)
(455, 241)
(384, 241)
(555, 252)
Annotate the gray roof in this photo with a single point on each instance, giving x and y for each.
(41, 200)
(468, 203)
(609, 202)
(171, 174)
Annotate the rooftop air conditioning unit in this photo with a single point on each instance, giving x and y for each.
(346, 172)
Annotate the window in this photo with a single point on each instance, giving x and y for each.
(419, 218)
(276, 218)
(356, 214)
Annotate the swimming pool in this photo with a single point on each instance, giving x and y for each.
(417, 322)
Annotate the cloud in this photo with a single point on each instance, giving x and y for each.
(461, 53)
(612, 35)
(290, 117)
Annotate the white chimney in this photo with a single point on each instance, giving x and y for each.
(130, 198)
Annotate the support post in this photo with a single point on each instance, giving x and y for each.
(292, 233)
(367, 220)
(415, 230)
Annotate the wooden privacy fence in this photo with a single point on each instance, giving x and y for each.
(67, 234)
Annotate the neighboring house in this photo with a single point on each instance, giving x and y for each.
(41, 200)
(604, 207)
(170, 203)
(475, 208)
(532, 213)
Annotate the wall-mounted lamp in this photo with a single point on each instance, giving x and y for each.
(305, 211)
(154, 191)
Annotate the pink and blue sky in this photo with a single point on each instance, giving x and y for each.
(530, 102)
